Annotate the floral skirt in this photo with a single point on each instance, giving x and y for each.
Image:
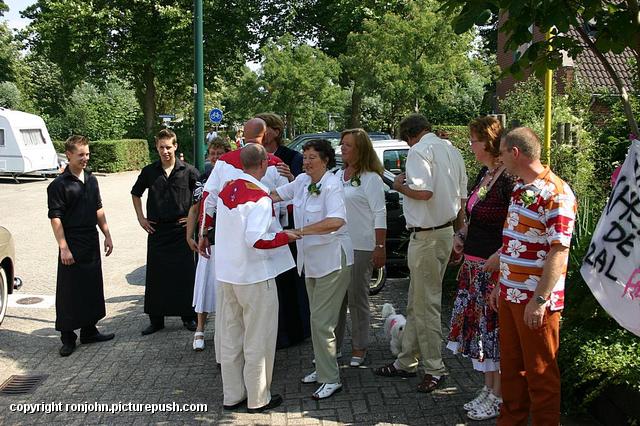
(474, 325)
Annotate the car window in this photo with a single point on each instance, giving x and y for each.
(394, 160)
(1, 137)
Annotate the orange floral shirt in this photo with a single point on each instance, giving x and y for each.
(540, 215)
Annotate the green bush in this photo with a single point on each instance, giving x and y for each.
(602, 355)
(459, 137)
(58, 145)
(113, 156)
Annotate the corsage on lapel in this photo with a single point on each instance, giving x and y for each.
(314, 189)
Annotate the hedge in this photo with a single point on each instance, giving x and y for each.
(459, 137)
(112, 156)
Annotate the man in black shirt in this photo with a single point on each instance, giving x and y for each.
(75, 208)
(170, 262)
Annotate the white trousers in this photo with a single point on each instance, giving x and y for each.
(248, 341)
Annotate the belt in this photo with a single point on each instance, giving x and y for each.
(417, 229)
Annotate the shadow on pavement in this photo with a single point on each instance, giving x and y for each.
(137, 276)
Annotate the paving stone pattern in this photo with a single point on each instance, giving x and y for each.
(162, 368)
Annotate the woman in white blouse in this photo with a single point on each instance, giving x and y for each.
(324, 252)
(367, 226)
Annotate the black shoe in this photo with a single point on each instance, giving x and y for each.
(190, 325)
(235, 406)
(152, 329)
(98, 337)
(67, 349)
(275, 401)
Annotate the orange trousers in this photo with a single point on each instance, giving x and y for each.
(530, 376)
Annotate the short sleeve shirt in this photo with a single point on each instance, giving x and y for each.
(540, 215)
(319, 254)
(73, 202)
(433, 164)
(170, 197)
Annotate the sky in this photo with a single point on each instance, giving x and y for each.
(13, 16)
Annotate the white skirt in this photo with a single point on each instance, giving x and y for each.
(204, 290)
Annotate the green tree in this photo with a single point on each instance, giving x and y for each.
(301, 83)
(10, 96)
(615, 25)
(9, 54)
(328, 24)
(147, 43)
(101, 114)
(414, 61)
(41, 85)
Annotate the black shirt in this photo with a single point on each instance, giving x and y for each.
(169, 198)
(73, 202)
(291, 158)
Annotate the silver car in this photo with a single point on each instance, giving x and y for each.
(8, 280)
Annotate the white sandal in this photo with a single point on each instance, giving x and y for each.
(310, 378)
(326, 390)
(198, 344)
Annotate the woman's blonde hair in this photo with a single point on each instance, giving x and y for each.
(366, 160)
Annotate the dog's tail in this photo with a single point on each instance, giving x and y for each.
(388, 310)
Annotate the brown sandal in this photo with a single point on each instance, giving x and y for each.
(391, 371)
(430, 383)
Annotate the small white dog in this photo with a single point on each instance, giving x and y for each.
(393, 327)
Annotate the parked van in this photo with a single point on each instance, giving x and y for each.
(25, 145)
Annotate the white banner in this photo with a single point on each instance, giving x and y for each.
(611, 267)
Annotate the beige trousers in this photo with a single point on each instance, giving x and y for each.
(325, 299)
(219, 320)
(427, 256)
(248, 342)
(357, 299)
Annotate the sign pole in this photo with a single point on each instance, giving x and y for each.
(198, 87)
(548, 89)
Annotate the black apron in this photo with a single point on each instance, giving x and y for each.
(171, 272)
(79, 290)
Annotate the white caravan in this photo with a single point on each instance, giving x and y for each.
(25, 145)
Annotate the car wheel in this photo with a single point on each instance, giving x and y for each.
(378, 279)
(4, 293)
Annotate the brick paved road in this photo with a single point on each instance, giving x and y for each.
(162, 368)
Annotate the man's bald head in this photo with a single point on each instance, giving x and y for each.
(254, 130)
(254, 160)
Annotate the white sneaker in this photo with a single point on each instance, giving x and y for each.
(326, 390)
(198, 344)
(488, 410)
(478, 400)
(310, 378)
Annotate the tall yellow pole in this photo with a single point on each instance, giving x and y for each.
(548, 89)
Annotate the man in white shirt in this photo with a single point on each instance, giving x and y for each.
(249, 255)
(434, 188)
(212, 134)
(227, 168)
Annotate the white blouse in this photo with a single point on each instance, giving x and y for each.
(319, 254)
(366, 209)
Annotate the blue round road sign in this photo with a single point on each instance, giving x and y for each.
(215, 115)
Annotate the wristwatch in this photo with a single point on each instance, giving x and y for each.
(540, 300)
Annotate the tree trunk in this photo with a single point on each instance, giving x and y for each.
(290, 125)
(356, 106)
(149, 101)
(624, 95)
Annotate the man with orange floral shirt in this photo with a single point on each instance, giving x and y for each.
(533, 265)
